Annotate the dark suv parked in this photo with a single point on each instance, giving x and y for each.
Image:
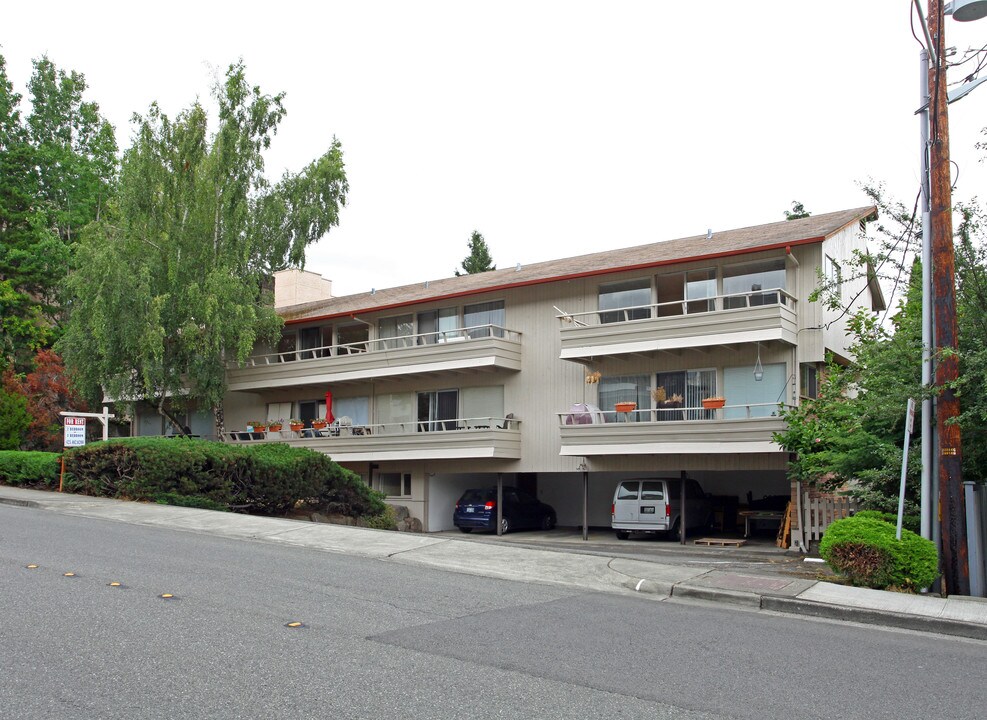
(477, 510)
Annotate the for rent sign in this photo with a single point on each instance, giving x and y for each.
(75, 431)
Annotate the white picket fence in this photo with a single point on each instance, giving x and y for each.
(816, 514)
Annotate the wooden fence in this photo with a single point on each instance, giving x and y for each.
(816, 513)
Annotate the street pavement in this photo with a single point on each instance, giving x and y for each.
(758, 578)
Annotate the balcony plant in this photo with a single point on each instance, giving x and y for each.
(319, 423)
(256, 426)
(275, 425)
(295, 424)
(714, 402)
(593, 377)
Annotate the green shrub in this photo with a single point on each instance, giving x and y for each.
(265, 478)
(386, 520)
(866, 552)
(347, 494)
(280, 476)
(908, 522)
(31, 469)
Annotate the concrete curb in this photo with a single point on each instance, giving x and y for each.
(18, 503)
(730, 597)
(809, 608)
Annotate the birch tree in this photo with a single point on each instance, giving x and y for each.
(177, 285)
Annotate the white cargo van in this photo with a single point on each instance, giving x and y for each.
(652, 505)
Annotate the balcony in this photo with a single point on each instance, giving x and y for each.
(727, 320)
(485, 347)
(427, 440)
(732, 429)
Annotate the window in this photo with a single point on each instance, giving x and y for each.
(742, 283)
(438, 410)
(396, 331)
(691, 292)
(652, 490)
(438, 326)
(692, 386)
(484, 319)
(624, 300)
(627, 490)
(310, 343)
(755, 398)
(356, 409)
(834, 275)
(483, 406)
(626, 388)
(286, 347)
(394, 484)
(352, 338)
(396, 412)
(810, 381)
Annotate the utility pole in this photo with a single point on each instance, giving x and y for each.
(956, 574)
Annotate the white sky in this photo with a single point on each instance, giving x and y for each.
(554, 128)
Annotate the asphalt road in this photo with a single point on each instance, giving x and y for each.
(380, 639)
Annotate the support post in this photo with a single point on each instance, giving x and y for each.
(500, 504)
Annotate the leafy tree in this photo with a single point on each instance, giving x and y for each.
(173, 288)
(25, 243)
(57, 172)
(797, 212)
(479, 259)
(14, 417)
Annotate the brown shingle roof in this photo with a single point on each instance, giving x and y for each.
(727, 242)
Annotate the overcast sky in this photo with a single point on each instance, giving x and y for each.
(553, 128)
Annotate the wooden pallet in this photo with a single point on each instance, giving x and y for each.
(721, 542)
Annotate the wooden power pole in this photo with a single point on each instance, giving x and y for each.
(956, 571)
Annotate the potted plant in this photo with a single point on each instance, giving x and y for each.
(658, 394)
(295, 424)
(275, 425)
(319, 423)
(593, 377)
(625, 407)
(256, 426)
(714, 402)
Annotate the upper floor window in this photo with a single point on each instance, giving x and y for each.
(742, 284)
(352, 338)
(628, 300)
(396, 331)
(485, 319)
(687, 292)
(440, 325)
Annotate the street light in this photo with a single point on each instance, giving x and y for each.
(939, 287)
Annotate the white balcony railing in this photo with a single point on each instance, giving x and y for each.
(677, 308)
(663, 416)
(407, 428)
(377, 345)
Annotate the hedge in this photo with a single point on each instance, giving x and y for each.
(30, 469)
(268, 478)
(866, 552)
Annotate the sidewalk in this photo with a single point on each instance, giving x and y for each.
(961, 616)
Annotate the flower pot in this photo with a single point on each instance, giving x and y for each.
(318, 425)
(625, 406)
(260, 428)
(714, 403)
(296, 426)
(274, 427)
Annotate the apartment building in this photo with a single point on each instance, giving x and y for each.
(598, 364)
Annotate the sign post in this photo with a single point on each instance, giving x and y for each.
(75, 431)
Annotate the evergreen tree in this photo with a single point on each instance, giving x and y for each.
(479, 259)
